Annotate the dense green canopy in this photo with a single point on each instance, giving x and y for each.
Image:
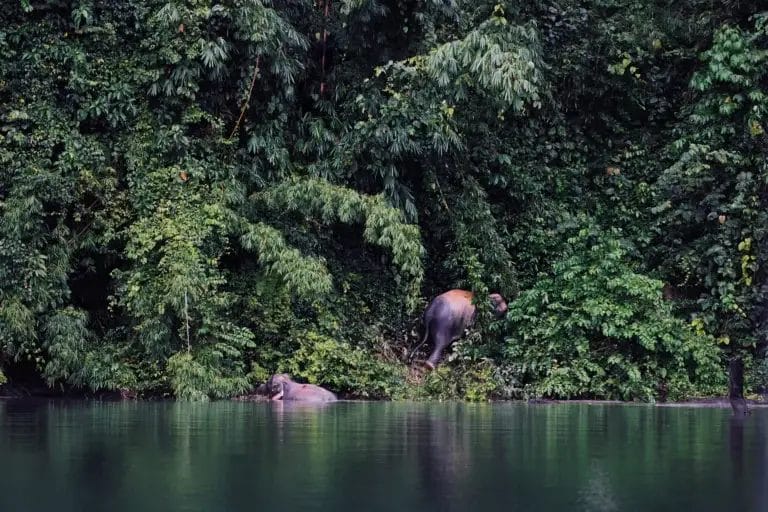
(197, 193)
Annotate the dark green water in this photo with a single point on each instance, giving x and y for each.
(141, 457)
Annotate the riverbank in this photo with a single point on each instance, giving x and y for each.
(9, 391)
(717, 402)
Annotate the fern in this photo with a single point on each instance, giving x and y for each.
(304, 276)
(499, 58)
(384, 225)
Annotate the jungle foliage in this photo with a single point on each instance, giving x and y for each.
(197, 193)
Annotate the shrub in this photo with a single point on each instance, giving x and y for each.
(597, 328)
(198, 378)
(348, 370)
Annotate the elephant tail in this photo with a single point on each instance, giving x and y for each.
(423, 340)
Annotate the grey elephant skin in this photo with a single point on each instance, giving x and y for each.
(448, 315)
(282, 387)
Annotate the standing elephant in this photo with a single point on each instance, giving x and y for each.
(281, 386)
(448, 315)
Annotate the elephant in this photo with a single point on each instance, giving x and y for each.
(448, 315)
(281, 386)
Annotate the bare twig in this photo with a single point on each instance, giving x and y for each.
(325, 40)
(247, 97)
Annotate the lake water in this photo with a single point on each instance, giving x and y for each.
(237, 456)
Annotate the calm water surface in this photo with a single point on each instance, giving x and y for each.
(89, 456)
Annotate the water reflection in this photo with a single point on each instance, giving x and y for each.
(736, 444)
(69, 456)
(749, 456)
(760, 487)
(442, 453)
(598, 495)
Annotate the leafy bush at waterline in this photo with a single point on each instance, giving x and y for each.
(597, 328)
(348, 370)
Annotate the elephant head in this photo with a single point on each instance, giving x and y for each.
(448, 315)
(281, 387)
(499, 305)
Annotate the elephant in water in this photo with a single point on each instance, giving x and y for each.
(281, 387)
(448, 315)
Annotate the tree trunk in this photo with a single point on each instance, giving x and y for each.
(736, 386)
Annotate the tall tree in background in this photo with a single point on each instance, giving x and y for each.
(714, 218)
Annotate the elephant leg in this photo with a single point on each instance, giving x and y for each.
(441, 340)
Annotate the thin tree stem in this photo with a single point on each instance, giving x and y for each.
(325, 40)
(186, 318)
(247, 97)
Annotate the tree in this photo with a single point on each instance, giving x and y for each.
(712, 216)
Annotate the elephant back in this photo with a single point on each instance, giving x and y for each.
(308, 393)
(460, 304)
